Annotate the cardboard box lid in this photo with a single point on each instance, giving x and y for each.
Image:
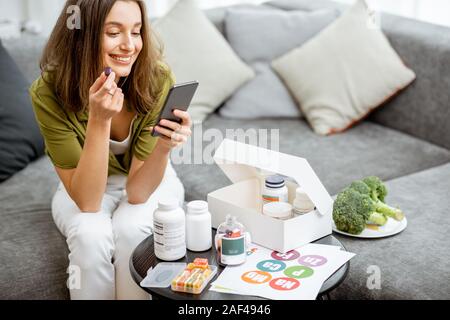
(240, 161)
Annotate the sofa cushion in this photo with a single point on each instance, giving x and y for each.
(196, 50)
(343, 73)
(368, 149)
(20, 140)
(265, 96)
(307, 5)
(414, 264)
(422, 110)
(33, 254)
(217, 14)
(26, 53)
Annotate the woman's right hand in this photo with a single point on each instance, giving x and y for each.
(105, 98)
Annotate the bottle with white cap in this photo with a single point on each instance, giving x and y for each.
(198, 226)
(169, 230)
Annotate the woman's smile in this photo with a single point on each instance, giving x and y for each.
(122, 59)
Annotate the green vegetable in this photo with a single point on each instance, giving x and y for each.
(378, 192)
(362, 203)
(351, 210)
(377, 218)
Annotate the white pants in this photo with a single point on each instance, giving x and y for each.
(101, 244)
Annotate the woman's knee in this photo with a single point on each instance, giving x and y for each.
(129, 232)
(91, 240)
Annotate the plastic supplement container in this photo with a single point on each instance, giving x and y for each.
(169, 230)
(302, 203)
(278, 210)
(194, 278)
(275, 190)
(198, 226)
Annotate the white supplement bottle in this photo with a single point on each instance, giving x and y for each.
(275, 190)
(198, 226)
(169, 230)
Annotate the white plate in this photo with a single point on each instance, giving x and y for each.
(391, 227)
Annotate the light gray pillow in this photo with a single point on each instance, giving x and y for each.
(344, 73)
(195, 50)
(258, 37)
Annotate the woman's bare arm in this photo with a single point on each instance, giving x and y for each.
(145, 176)
(87, 183)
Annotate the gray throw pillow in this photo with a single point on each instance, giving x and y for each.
(258, 37)
(20, 139)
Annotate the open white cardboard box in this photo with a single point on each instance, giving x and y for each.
(246, 166)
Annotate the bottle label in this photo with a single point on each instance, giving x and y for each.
(270, 198)
(169, 238)
(233, 250)
(267, 198)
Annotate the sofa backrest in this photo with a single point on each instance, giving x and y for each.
(422, 109)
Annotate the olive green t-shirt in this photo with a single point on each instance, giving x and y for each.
(64, 131)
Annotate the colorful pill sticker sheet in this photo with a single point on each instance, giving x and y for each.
(295, 275)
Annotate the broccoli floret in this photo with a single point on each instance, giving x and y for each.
(377, 218)
(361, 203)
(361, 187)
(351, 210)
(378, 192)
(364, 189)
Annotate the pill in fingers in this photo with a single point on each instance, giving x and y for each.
(108, 71)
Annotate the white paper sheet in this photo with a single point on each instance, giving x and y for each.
(296, 275)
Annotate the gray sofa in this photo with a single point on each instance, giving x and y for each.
(405, 142)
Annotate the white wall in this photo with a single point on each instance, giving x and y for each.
(12, 10)
(45, 12)
(434, 11)
(160, 7)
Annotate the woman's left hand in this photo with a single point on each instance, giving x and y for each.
(177, 133)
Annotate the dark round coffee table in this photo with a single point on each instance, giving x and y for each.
(143, 257)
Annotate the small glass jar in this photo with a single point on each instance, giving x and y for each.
(231, 242)
(274, 190)
(302, 203)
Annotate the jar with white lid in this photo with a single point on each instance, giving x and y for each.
(169, 230)
(278, 210)
(198, 226)
(302, 203)
(274, 190)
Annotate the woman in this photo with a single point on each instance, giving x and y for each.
(97, 131)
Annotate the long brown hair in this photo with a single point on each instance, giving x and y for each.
(73, 58)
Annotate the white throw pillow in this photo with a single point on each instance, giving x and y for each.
(195, 50)
(344, 72)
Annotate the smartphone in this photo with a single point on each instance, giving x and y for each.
(179, 97)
